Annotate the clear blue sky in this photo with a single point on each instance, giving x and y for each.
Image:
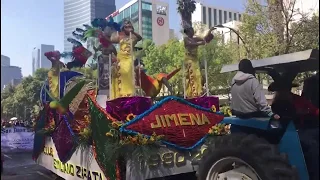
(28, 23)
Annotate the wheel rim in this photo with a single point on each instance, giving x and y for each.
(232, 168)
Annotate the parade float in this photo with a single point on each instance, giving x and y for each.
(86, 131)
(120, 128)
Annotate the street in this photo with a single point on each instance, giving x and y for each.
(19, 166)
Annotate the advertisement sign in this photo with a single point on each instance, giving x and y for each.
(160, 23)
(16, 139)
(82, 164)
(162, 10)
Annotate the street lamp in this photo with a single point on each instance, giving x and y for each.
(237, 33)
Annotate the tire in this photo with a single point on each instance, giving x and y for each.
(262, 156)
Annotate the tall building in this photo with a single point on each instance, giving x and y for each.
(79, 12)
(150, 18)
(39, 60)
(5, 60)
(10, 74)
(212, 16)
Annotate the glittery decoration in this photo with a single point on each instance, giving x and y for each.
(81, 119)
(100, 125)
(205, 102)
(63, 139)
(120, 108)
(73, 107)
(178, 130)
(92, 98)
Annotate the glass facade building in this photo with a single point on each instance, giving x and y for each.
(79, 12)
(140, 13)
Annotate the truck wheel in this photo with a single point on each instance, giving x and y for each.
(242, 156)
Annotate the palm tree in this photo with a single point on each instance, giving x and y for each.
(185, 9)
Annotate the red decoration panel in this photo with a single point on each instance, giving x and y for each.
(180, 123)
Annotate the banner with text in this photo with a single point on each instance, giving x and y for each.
(16, 139)
(82, 164)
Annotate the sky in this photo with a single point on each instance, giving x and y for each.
(26, 24)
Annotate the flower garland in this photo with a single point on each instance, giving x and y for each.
(49, 128)
(219, 130)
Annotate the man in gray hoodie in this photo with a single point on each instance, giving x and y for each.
(247, 97)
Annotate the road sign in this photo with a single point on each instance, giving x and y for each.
(160, 21)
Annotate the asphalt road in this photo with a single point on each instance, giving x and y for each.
(20, 166)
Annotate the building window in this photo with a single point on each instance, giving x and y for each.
(220, 17)
(204, 15)
(235, 16)
(120, 16)
(146, 20)
(126, 13)
(239, 17)
(210, 17)
(146, 6)
(230, 16)
(135, 8)
(214, 17)
(225, 16)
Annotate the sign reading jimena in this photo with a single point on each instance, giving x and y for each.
(183, 125)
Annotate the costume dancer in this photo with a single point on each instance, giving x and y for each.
(191, 63)
(122, 77)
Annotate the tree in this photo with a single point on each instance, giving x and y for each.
(275, 27)
(270, 28)
(41, 74)
(307, 35)
(185, 9)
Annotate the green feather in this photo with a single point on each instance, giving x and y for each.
(89, 33)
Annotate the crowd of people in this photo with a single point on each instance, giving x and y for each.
(6, 124)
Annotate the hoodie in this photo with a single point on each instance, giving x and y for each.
(247, 95)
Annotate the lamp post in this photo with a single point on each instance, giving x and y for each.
(237, 33)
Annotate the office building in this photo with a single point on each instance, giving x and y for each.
(229, 35)
(149, 18)
(79, 12)
(5, 60)
(10, 74)
(39, 60)
(212, 16)
(15, 82)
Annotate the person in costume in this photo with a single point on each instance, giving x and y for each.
(54, 72)
(191, 63)
(122, 77)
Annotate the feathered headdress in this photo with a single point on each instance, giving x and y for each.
(79, 54)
